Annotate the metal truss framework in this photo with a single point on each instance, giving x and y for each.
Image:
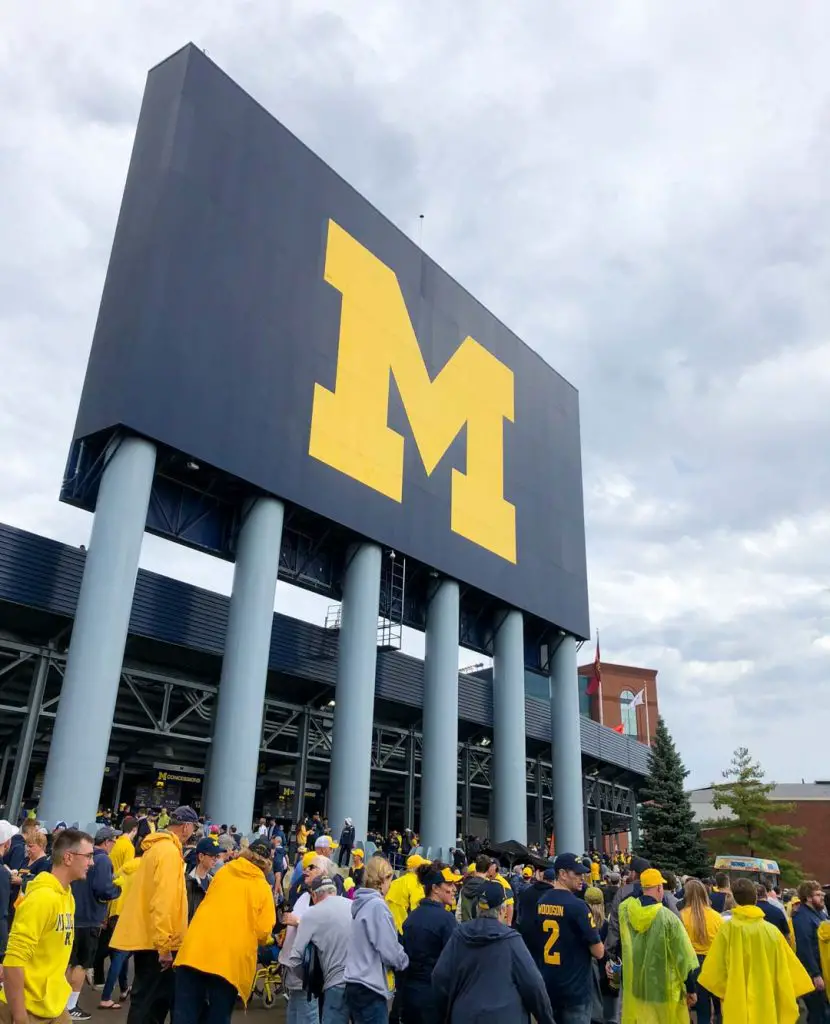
(152, 703)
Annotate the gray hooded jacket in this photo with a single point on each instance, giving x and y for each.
(374, 946)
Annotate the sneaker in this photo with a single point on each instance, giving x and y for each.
(76, 1013)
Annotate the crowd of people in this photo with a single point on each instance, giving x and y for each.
(180, 916)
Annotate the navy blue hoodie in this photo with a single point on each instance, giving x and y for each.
(486, 976)
(93, 893)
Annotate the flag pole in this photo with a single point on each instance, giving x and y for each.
(648, 726)
(599, 692)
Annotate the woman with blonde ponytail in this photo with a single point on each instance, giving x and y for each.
(702, 924)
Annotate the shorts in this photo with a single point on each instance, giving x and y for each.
(84, 948)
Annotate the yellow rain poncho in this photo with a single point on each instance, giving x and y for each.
(753, 971)
(657, 958)
(824, 952)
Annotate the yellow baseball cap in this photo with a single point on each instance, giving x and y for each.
(415, 860)
(308, 858)
(651, 878)
(357, 855)
(527, 872)
(449, 875)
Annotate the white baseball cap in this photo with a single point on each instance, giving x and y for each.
(7, 830)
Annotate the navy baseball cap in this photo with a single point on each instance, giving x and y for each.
(492, 896)
(184, 816)
(570, 862)
(208, 847)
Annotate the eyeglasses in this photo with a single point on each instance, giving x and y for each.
(86, 856)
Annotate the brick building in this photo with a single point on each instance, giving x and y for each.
(811, 812)
(620, 685)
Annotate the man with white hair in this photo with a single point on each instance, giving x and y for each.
(323, 847)
(327, 926)
(7, 832)
(300, 1009)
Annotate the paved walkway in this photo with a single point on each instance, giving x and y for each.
(257, 1014)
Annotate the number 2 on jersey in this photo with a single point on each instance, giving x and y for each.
(552, 926)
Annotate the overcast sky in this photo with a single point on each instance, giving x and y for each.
(640, 190)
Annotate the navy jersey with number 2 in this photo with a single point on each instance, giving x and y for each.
(564, 933)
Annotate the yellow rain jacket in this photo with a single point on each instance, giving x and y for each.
(121, 854)
(124, 878)
(404, 895)
(122, 851)
(657, 958)
(753, 971)
(824, 951)
(154, 915)
(40, 942)
(236, 915)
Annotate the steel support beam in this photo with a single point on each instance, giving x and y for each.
(635, 823)
(119, 785)
(301, 774)
(4, 767)
(409, 784)
(465, 791)
(540, 805)
(17, 789)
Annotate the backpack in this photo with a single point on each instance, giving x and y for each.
(314, 978)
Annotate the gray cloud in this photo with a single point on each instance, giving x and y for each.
(641, 193)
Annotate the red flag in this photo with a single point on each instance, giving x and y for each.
(596, 678)
(619, 728)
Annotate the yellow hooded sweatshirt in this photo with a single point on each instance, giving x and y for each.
(124, 878)
(657, 960)
(122, 853)
(236, 915)
(753, 971)
(40, 942)
(154, 915)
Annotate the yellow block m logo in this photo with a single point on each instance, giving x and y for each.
(349, 426)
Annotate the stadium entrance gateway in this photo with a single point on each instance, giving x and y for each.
(230, 404)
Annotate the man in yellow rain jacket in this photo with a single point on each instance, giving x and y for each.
(41, 937)
(659, 963)
(153, 919)
(751, 967)
(406, 892)
(217, 961)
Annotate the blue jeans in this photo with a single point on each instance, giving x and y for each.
(573, 1014)
(706, 1002)
(117, 972)
(301, 1009)
(367, 1007)
(335, 1009)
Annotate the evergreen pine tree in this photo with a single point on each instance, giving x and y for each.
(670, 837)
(746, 796)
